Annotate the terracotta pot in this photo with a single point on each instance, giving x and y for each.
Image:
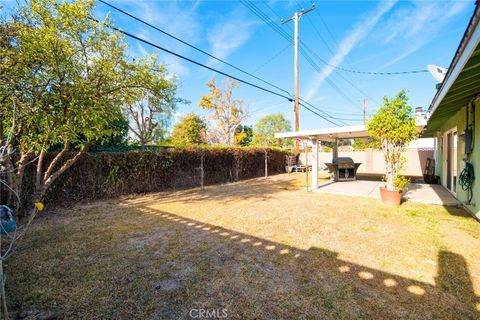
(391, 197)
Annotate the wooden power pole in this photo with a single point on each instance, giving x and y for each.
(295, 18)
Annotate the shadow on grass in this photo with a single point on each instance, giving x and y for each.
(255, 278)
(450, 203)
(258, 188)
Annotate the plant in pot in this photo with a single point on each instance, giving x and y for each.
(394, 125)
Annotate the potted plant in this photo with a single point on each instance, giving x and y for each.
(394, 125)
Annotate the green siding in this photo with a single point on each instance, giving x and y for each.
(459, 120)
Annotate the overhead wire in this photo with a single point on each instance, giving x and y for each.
(259, 13)
(128, 34)
(351, 70)
(273, 57)
(289, 98)
(331, 52)
(264, 17)
(190, 45)
(313, 54)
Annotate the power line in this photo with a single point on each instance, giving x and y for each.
(323, 39)
(272, 58)
(306, 56)
(332, 37)
(336, 124)
(315, 28)
(295, 19)
(204, 66)
(315, 55)
(204, 52)
(193, 61)
(379, 73)
(264, 17)
(322, 111)
(351, 70)
(308, 53)
(190, 45)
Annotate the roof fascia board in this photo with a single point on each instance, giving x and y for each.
(457, 69)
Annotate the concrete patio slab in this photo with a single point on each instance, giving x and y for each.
(417, 192)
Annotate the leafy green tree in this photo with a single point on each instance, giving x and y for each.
(266, 127)
(64, 79)
(394, 125)
(190, 130)
(161, 132)
(359, 144)
(117, 141)
(243, 135)
(364, 143)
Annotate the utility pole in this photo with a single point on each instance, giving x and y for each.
(295, 18)
(364, 110)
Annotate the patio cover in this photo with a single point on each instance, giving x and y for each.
(331, 135)
(334, 134)
(328, 134)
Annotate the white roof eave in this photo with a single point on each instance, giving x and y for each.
(327, 134)
(465, 55)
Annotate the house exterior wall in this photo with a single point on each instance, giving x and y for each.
(459, 121)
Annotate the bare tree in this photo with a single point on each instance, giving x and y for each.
(227, 113)
(153, 107)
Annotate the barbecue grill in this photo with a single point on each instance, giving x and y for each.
(343, 169)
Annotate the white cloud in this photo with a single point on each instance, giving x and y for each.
(416, 25)
(400, 57)
(175, 66)
(355, 36)
(174, 17)
(177, 18)
(229, 34)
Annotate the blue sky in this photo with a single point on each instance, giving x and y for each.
(379, 36)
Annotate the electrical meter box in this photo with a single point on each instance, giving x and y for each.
(468, 141)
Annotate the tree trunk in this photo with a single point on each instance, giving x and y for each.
(25, 157)
(2, 287)
(266, 163)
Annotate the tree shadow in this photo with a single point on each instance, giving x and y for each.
(453, 278)
(258, 188)
(254, 278)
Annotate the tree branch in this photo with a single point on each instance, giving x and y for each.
(65, 166)
(55, 160)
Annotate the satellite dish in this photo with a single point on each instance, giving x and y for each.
(437, 72)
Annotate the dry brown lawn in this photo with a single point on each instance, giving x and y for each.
(261, 249)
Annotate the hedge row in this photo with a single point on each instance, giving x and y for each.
(106, 175)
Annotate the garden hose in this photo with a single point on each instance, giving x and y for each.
(466, 180)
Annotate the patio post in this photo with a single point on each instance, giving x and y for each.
(335, 149)
(314, 163)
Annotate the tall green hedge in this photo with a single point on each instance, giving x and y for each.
(107, 175)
